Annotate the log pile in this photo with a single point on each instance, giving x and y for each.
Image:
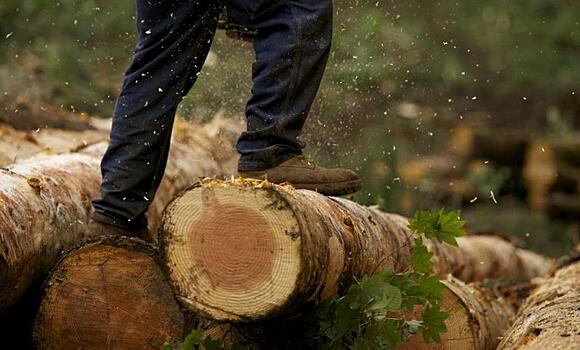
(538, 173)
(22, 113)
(247, 253)
(256, 257)
(548, 166)
(45, 200)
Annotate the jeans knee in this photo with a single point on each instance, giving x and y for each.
(313, 25)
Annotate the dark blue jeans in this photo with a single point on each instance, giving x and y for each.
(291, 45)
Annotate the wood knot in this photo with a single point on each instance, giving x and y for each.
(35, 183)
(348, 222)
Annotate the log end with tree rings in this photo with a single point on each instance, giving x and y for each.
(233, 252)
(476, 319)
(108, 294)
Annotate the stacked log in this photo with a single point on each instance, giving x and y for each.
(550, 317)
(477, 320)
(17, 145)
(89, 294)
(549, 167)
(45, 201)
(247, 251)
(242, 251)
(271, 250)
(22, 113)
(108, 294)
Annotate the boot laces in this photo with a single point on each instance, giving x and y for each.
(306, 160)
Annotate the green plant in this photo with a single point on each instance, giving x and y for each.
(197, 340)
(379, 312)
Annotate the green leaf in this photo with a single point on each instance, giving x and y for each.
(431, 287)
(192, 340)
(386, 334)
(389, 300)
(434, 323)
(421, 257)
(210, 344)
(444, 227)
(346, 318)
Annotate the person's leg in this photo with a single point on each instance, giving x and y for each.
(292, 42)
(174, 39)
(292, 45)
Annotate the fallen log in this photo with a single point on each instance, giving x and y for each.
(477, 319)
(567, 149)
(502, 146)
(16, 145)
(563, 206)
(245, 250)
(45, 201)
(22, 113)
(108, 294)
(550, 316)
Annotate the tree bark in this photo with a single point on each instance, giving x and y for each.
(108, 294)
(16, 145)
(21, 113)
(550, 316)
(248, 251)
(45, 201)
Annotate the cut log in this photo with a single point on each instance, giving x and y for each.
(502, 146)
(45, 202)
(21, 113)
(477, 319)
(563, 206)
(550, 317)
(16, 145)
(246, 250)
(540, 173)
(487, 257)
(109, 294)
(568, 149)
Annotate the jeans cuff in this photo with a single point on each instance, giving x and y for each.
(125, 224)
(249, 162)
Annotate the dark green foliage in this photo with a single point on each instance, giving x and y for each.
(196, 340)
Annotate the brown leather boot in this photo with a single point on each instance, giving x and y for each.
(97, 229)
(303, 174)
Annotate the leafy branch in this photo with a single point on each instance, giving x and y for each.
(380, 312)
